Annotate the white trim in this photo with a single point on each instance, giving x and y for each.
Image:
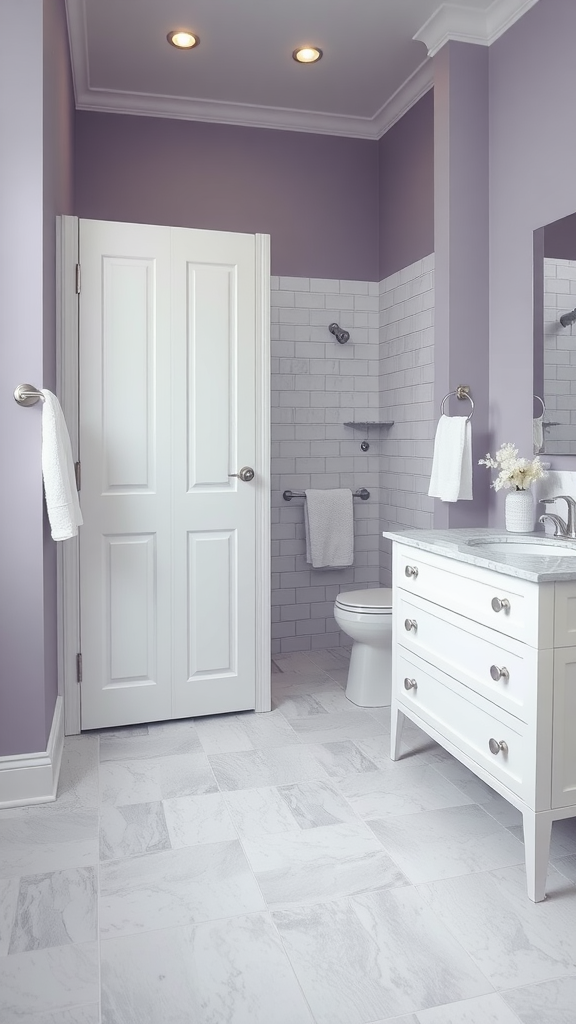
(470, 24)
(67, 389)
(33, 778)
(502, 14)
(263, 510)
(215, 112)
(412, 90)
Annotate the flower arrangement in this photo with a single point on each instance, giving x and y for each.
(513, 472)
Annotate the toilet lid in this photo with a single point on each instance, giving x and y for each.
(377, 600)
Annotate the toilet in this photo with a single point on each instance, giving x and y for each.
(366, 617)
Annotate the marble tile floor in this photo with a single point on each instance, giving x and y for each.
(279, 869)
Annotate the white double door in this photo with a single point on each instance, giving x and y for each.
(167, 399)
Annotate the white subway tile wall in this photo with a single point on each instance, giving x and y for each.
(407, 398)
(317, 386)
(559, 357)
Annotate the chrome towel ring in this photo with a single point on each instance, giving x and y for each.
(462, 391)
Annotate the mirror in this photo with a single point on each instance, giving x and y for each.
(554, 408)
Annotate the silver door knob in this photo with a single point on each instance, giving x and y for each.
(410, 624)
(499, 673)
(411, 570)
(497, 745)
(500, 604)
(246, 474)
(410, 684)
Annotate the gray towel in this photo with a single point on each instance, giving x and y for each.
(329, 523)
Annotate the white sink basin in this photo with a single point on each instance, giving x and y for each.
(539, 547)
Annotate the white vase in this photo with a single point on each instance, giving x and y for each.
(519, 512)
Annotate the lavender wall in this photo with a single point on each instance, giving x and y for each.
(461, 255)
(22, 714)
(58, 198)
(560, 238)
(314, 194)
(531, 184)
(406, 189)
(28, 592)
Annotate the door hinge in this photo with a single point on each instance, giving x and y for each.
(78, 281)
(78, 475)
(78, 668)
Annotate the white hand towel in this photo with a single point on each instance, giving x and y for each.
(538, 433)
(329, 521)
(58, 472)
(451, 478)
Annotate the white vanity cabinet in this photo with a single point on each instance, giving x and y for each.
(485, 663)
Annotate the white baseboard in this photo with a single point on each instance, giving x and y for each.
(33, 778)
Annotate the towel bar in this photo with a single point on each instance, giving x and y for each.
(362, 493)
(26, 394)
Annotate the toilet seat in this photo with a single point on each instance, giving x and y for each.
(377, 601)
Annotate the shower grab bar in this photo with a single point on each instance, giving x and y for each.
(362, 493)
(26, 394)
(462, 391)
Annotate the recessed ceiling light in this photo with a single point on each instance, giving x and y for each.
(307, 54)
(182, 40)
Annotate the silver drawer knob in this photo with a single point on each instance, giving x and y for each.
(411, 570)
(497, 745)
(499, 673)
(410, 684)
(246, 474)
(410, 624)
(500, 604)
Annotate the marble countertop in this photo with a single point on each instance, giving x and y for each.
(456, 544)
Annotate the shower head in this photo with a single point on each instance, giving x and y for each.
(568, 318)
(341, 335)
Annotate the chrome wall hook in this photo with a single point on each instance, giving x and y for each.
(26, 394)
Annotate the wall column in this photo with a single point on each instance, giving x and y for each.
(461, 255)
(23, 712)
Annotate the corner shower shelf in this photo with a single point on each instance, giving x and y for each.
(364, 424)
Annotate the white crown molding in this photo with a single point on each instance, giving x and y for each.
(245, 115)
(33, 778)
(241, 114)
(470, 24)
(450, 21)
(412, 90)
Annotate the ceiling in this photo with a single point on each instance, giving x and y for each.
(242, 72)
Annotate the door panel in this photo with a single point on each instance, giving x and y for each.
(125, 436)
(211, 357)
(214, 435)
(213, 612)
(130, 595)
(128, 364)
(167, 412)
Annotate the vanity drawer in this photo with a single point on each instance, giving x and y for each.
(511, 606)
(471, 654)
(469, 726)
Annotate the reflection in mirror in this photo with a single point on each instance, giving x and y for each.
(554, 408)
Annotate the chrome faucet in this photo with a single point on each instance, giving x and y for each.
(561, 528)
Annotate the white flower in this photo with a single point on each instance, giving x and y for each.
(513, 472)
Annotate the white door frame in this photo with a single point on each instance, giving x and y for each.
(68, 552)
